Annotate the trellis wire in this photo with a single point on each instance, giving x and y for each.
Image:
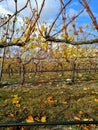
(50, 123)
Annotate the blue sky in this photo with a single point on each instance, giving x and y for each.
(84, 17)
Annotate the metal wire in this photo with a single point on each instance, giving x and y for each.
(50, 123)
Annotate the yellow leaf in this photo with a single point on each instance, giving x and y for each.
(64, 36)
(29, 119)
(93, 92)
(24, 47)
(86, 25)
(80, 112)
(15, 100)
(43, 28)
(43, 119)
(64, 102)
(33, 46)
(76, 118)
(86, 119)
(96, 100)
(70, 38)
(45, 45)
(17, 105)
(50, 98)
(23, 39)
(15, 40)
(85, 89)
(2, 40)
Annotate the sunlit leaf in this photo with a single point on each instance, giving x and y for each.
(43, 28)
(23, 39)
(2, 40)
(69, 38)
(15, 40)
(45, 45)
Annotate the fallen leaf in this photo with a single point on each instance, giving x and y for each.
(29, 119)
(96, 100)
(15, 100)
(76, 118)
(37, 119)
(43, 119)
(85, 89)
(86, 119)
(64, 102)
(80, 112)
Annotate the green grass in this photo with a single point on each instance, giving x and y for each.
(57, 102)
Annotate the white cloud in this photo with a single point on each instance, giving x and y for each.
(49, 10)
(4, 11)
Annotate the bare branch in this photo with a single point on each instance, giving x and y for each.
(92, 41)
(66, 25)
(63, 17)
(57, 17)
(36, 4)
(4, 44)
(15, 14)
(36, 19)
(90, 13)
(55, 40)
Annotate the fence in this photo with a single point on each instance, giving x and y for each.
(57, 75)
